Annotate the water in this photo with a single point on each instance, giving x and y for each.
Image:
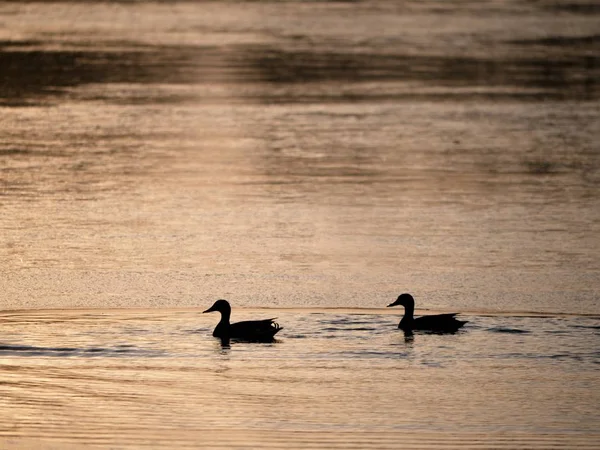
(315, 159)
(335, 378)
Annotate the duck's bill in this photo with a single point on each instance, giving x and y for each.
(392, 304)
(208, 310)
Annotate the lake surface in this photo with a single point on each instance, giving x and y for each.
(334, 379)
(310, 161)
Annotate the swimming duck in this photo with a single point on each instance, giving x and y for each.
(440, 323)
(249, 330)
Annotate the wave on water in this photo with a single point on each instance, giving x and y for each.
(31, 350)
(587, 327)
(507, 330)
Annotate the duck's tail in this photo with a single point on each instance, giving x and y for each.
(276, 327)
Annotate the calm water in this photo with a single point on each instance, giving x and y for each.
(335, 378)
(314, 159)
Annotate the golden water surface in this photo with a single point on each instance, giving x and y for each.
(310, 161)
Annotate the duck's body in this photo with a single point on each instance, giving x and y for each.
(249, 330)
(439, 323)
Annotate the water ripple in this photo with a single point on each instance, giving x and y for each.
(30, 350)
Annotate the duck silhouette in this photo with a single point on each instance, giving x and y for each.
(249, 330)
(439, 323)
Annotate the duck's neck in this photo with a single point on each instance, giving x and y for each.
(223, 327)
(225, 315)
(409, 311)
(407, 321)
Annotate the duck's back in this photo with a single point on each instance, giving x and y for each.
(438, 322)
(254, 330)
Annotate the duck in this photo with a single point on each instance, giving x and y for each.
(439, 323)
(249, 330)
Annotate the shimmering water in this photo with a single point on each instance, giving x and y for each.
(320, 156)
(335, 378)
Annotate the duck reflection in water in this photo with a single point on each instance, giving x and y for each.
(439, 323)
(248, 331)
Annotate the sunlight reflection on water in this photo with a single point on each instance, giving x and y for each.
(305, 155)
(347, 373)
(327, 158)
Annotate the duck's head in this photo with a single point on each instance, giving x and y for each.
(220, 305)
(404, 300)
